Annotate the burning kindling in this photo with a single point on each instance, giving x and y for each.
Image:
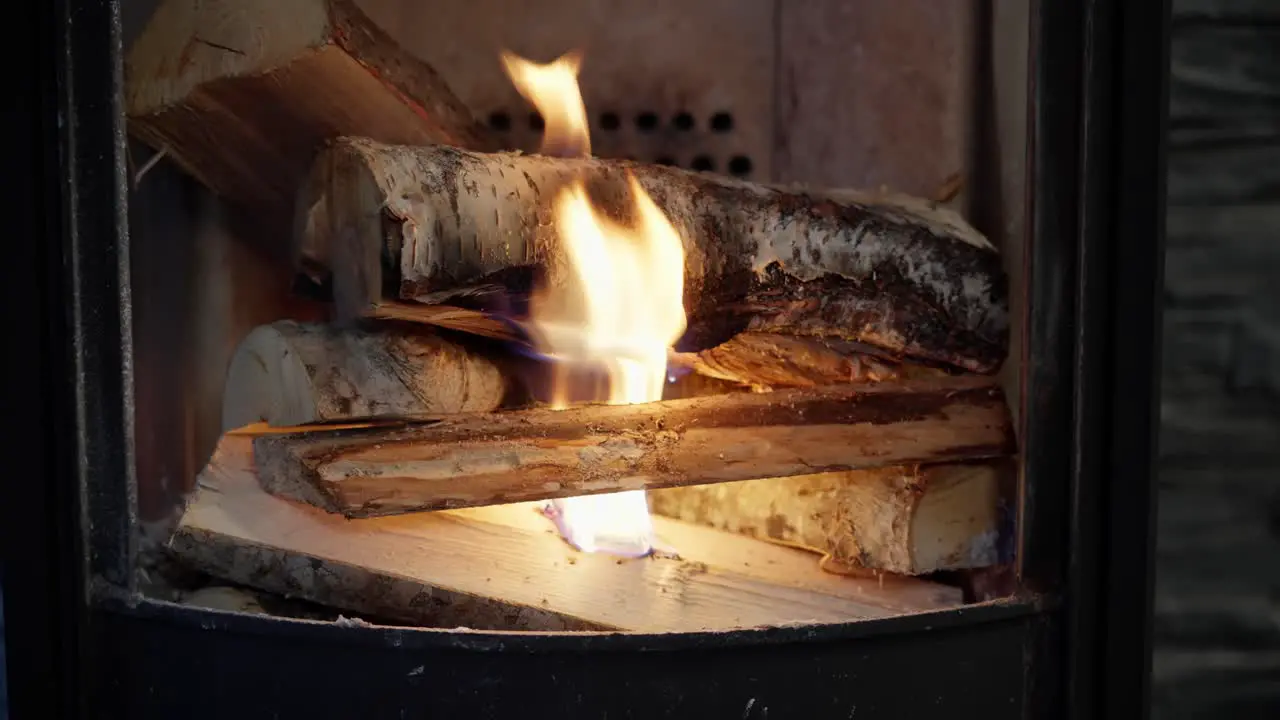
(613, 299)
(506, 328)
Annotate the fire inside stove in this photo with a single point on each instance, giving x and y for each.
(518, 374)
(616, 302)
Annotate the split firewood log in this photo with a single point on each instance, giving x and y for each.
(499, 567)
(909, 520)
(540, 453)
(241, 93)
(443, 225)
(289, 373)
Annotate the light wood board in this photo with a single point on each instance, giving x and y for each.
(505, 568)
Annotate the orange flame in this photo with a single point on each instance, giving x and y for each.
(617, 303)
(553, 90)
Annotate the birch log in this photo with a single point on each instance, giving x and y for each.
(906, 520)
(289, 373)
(539, 454)
(435, 223)
(242, 93)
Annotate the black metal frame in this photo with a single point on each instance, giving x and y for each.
(1076, 646)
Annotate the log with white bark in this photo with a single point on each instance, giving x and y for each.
(443, 225)
(908, 520)
(538, 454)
(241, 93)
(504, 568)
(290, 373)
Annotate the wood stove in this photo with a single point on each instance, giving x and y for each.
(318, 345)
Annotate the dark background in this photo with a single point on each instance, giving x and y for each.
(1217, 617)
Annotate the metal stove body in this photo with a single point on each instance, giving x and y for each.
(1086, 238)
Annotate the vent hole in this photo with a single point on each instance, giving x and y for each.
(610, 121)
(683, 121)
(666, 160)
(647, 121)
(722, 122)
(500, 121)
(740, 165)
(703, 163)
(535, 122)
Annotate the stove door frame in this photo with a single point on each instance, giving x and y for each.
(81, 641)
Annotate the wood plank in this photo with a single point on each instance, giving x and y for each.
(1215, 612)
(1234, 59)
(1255, 365)
(1209, 226)
(1252, 11)
(505, 568)
(1231, 272)
(1223, 85)
(1233, 429)
(1216, 257)
(1215, 684)
(541, 453)
(1215, 529)
(1238, 173)
(1197, 349)
(1232, 617)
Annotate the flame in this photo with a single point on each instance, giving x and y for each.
(553, 90)
(616, 301)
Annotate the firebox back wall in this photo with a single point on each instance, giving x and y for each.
(904, 94)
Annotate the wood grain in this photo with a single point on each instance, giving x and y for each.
(242, 93)
(290, 373)
(541, 453)
(1216, 645)
(767, 361)
(444, 225)
(504, 568)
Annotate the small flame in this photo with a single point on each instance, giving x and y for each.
(616, 303)
(553, 90)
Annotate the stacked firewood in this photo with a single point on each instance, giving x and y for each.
(852, 337)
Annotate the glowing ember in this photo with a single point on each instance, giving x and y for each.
(616, 303)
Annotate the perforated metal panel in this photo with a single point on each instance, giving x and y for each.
(674, 81)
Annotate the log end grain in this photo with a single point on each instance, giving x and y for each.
(242, 93)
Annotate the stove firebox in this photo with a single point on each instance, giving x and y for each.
(749, 358)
